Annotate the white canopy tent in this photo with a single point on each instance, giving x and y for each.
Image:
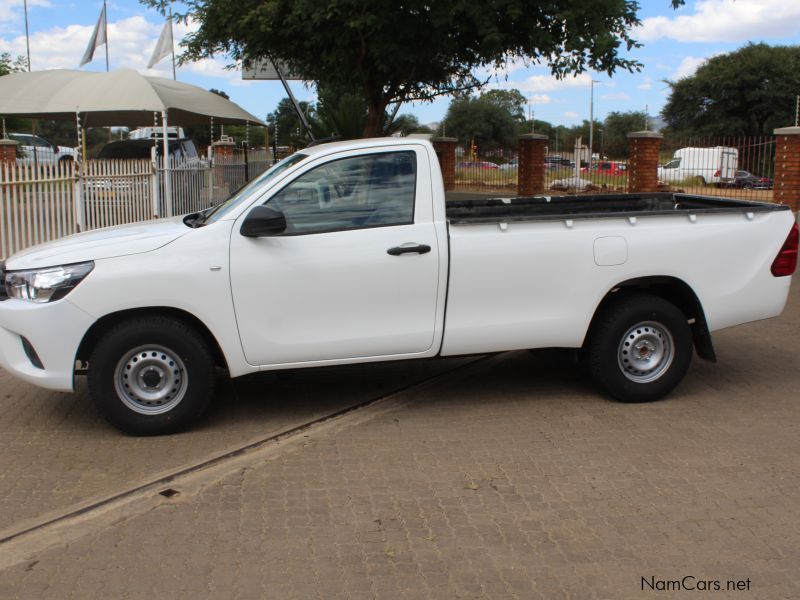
(121, 97)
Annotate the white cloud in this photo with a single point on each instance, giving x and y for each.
(688, 66)
(725, 21)
(540, 99)
(646, 84)
(131, 44)
(549, 83)
(572, 115)
(11, 10)
(616, 96)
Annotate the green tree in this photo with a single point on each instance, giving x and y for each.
(511, 101)
(11, 65)
(414, 50)
(750, 91)
(407, 124)
(482, 120)
(616, 128)
(289, 128)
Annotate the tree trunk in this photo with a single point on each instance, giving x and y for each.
(376, 114)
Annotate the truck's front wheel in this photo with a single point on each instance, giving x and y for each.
(640, 348)
(151, 375)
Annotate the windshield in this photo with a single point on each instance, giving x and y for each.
(234, 201)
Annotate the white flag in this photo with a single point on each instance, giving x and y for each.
(164, 46)
(98, 37)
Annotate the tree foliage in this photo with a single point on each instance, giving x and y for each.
(391, 52)
(489, 121)
(747, 92)
(11, 65)
(616, 128)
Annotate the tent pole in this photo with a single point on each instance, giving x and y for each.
(167, 180)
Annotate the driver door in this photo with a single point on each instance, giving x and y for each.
(356, 273)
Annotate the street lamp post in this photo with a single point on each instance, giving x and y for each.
(591, 122)
(27, 35)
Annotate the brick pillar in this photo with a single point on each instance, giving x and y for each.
(530, 170)
(445, 148)
(8, 153)
(644, 147)
(787, 167)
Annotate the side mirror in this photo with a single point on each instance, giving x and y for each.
(263, 221)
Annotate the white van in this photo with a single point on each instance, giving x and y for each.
(701, 165)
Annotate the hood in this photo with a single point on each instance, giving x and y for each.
(99, 244)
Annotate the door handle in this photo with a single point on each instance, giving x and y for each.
(409, 247)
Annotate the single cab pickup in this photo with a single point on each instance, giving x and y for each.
(348, 252)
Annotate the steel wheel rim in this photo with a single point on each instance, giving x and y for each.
(645, 352)
(151, 379)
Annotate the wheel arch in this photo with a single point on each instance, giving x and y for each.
(106, 322)
(675, 291)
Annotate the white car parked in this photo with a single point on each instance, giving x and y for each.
(37, 150)
(346, 253)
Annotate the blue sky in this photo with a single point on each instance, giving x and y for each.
(675, 43)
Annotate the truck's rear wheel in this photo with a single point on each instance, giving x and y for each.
(640, 348)
(151, 375)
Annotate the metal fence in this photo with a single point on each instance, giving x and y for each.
(36, 205)
(740, 167)
(487, 171)
(46, 202)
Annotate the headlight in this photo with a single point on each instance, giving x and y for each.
(46, 285)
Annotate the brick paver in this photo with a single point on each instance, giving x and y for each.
(517, 481)
(56, 451)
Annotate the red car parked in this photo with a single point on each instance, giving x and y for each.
(609, 168)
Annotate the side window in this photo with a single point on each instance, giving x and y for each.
(40, 142)
(375, 190)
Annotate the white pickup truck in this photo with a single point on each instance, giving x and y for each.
(348, 252)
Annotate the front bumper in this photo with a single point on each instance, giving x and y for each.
(54, 330)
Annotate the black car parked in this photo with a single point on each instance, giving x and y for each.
(748, 181)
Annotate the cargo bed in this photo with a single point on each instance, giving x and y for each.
(535, 208)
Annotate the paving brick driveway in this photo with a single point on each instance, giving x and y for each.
(517, 480)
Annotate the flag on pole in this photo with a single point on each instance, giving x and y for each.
(98, 37)
(164, 46)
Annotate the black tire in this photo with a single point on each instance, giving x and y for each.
(170, 342)
(662, 325)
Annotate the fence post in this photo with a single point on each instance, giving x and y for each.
(77, 194)
(445, 148)
(787, 167)
(644, 147)
(530, 169)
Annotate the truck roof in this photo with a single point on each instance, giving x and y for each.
(331, 147)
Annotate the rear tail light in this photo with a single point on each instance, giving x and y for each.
(786, 261)
(717, 173)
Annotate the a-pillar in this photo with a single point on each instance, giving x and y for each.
(644, 148)
(530, 177)
(445, 148)
(787, 167)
